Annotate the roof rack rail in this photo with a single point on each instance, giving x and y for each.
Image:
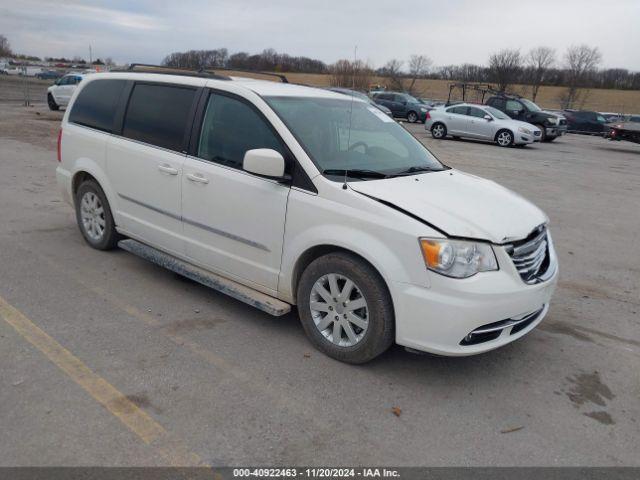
(480, 88)
(164, 70)
(281, 76)
(202, 72)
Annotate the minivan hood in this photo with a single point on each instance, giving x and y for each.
(459, 204)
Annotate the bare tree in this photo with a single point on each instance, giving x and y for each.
(348, 74)
(581, 61)
(539, 60)
(393, 71)
(418, 67)
(504, 67)
(5, 47)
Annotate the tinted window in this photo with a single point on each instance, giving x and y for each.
(497, 102)
(458, 110)
(476, 112)
(230, 128)
(158, 115)
(513, 106)
(96, 104)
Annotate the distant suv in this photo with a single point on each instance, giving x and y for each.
(279, 194)
(59, 94)
(551, 125)
(402, 105)
(584, 121)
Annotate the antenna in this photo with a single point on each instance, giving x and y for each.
(353, 87)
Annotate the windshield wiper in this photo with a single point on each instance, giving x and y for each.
(355, 173)
(415, 169)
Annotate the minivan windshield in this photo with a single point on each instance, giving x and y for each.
(353, 137)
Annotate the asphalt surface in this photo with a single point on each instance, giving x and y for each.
(109, 360)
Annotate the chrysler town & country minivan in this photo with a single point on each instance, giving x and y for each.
(283, 195)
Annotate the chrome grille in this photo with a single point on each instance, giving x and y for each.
(531, 255)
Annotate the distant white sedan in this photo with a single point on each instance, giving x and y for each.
(480, 122)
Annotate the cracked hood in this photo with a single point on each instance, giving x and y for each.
(460, 204)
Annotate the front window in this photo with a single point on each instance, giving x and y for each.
(342, 135)
(530, 105)
(496, 113)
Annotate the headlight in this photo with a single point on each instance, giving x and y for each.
(552, 120)
(457, 258)
(423, 110)
(524, 130)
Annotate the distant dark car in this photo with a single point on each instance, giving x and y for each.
(552, 125)
(48, 75)
(634, 118)
(402, 105)
(362, 96)
(585, 121)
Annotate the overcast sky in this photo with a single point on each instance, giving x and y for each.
(448, 31)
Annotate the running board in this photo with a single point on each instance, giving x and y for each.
(252, 297)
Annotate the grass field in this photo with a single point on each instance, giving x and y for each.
(601, 100)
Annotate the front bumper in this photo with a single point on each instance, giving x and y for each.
(439, 318)
(555, 131)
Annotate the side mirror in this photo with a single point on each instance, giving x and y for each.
(264, 162)
(488, 118)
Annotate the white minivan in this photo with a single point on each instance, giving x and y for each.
(281, 195)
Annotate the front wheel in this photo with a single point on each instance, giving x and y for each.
(94, 218)
(504, 138)
(439, 131)
(52, 103)
(543, 134)
(412, 117)
(345, 308)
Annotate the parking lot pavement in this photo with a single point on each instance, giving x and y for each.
(108, 360)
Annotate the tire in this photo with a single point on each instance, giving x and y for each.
(373, 331)
(439, 130)
(504, 138)
(550, 139)
(455, 137)
(52, 103)
(412, 117)
(543, 135)
(94, 218)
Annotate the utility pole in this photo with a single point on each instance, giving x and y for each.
(90, 59)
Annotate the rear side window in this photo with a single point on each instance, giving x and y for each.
(230, 128)
(458, 110)
(159, 115)
(96, 104)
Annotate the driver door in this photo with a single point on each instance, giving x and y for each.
(516, 110)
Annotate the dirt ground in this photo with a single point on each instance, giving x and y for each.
(193, 376)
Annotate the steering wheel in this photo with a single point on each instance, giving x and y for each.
(359, 144)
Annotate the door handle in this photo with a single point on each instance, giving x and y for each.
(196, 177)
(168, 169)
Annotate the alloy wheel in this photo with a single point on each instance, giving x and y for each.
(92, 216)
(339, 310)
(504, 139)
(438, 131)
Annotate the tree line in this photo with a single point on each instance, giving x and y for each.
(576, 68)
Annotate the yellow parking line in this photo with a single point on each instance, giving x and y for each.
(136, 419)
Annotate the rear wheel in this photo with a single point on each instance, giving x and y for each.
(52, 103)
(438, 130)
(412, 117)
(94, 218)
(345, 308)
(504, 138)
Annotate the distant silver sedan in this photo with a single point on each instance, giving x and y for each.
(480, 122)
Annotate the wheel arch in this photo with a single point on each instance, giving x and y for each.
(87, 170)
(317, 251)
(505, 129)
